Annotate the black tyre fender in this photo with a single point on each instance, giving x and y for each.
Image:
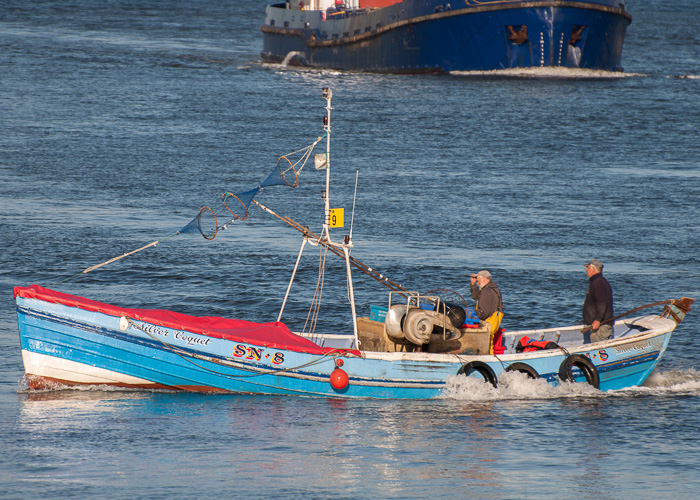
(480, 367)
(523, 368)
(582, 363)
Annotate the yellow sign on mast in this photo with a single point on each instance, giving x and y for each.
(337, 217)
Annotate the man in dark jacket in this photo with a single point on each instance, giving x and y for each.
(489, 304)
(598, 305)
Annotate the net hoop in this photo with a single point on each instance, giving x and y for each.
(225, 198)
(204, 219)
(447, 295)
(283, 173)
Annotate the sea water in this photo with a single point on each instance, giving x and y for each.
(120, 120)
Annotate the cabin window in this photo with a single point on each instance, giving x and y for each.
(272, 22)
(286, 24)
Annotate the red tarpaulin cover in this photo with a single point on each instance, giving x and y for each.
(274, 335)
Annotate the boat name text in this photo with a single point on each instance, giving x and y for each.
(257, 353)
(177, 335)
(633, 347)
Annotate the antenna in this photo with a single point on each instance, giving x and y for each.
(352, 218)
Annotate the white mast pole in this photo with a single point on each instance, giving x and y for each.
(327, 95)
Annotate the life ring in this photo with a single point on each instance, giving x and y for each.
(582, 363)
(481, 367)
(523, 368)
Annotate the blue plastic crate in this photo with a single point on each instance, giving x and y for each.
(378, 313)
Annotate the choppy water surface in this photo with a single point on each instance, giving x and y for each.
(121, 119)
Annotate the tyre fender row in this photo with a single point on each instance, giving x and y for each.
(582, 363)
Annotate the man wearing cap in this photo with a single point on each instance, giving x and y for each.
(598, 305)
(489, 304)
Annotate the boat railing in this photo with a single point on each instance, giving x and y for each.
(572, 336)
(414, 299)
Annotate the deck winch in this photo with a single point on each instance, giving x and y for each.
(417, 324)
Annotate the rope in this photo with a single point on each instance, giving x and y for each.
(361, 266)
(186, 357)
(315, 306)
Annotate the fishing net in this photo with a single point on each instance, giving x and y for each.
(446, 295)
(235, 206)
(204, 222)
(283, 174)
(230, 207)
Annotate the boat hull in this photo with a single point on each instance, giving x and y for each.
(410, 37)
(67, 345)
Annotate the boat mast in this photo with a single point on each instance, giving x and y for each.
(327, 95)
(325, 238)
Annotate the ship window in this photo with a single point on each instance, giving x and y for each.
(357, 32)
(306, 24)
(368, 28)
(286, 24)
(272, 22)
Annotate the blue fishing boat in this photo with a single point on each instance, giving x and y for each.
(435, 36)
(410, 347)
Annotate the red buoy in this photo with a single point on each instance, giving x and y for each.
(339, 379)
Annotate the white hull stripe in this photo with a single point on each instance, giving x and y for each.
(72, 371)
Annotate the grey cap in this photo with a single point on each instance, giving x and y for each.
(484, 273)
(595, 263)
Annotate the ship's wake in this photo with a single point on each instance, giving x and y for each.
(515, 385)
(549, 72)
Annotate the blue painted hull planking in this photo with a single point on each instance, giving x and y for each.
(416, 36)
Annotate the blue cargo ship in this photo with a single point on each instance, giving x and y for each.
(436, 36)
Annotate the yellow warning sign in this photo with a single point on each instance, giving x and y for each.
(337, 217)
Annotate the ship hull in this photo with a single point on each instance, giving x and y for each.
(70, 341)
(408, 38)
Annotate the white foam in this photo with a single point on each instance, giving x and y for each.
(675, 381)
(512, 385)
(554, 72)
(516, 385)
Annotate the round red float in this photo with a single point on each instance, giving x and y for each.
(339, 379)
